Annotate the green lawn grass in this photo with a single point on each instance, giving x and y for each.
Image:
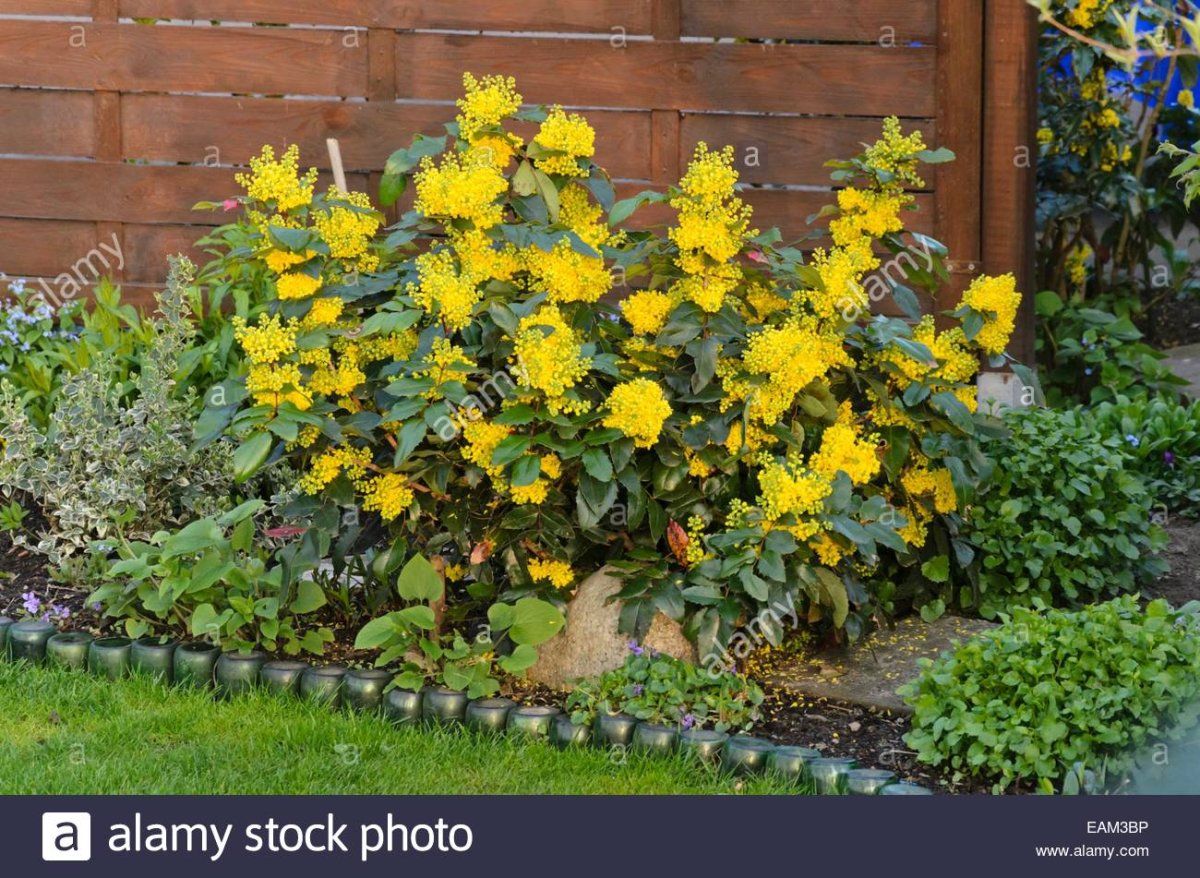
(69, 733)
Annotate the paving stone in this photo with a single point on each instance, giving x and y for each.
(1185, 362)
(869, 672)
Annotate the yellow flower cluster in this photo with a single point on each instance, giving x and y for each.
(557, 573)
(549, 358)
(997, 299)
(294, 285)
(446, 361)
(268, 342)
(462, 187)
(896, 153)
(323, 312)
(482, 258)
(867, 214)
(274, 385)
(278, 182)
(647, 311)
(388, 494)
(332, 462)
(1088, 13)
(638, 409)
(482, 437)
(280, 261)
(537, 492)
(712, 229)
(828, 551)
(780, 361)
(443, 291)
(789, 489)
(845, 449)
(349, 230)
(841, 292)
(564, 273)
(485, 104)
(920, 481)
(568, 138)
(695, 552)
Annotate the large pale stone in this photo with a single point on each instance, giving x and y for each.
(591, 643)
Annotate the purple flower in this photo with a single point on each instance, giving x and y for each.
(1168, 458)
(634, 648)
(638, 689)
(688, 721)
(32, 603)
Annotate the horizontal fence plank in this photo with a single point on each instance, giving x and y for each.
(45, 122)
(887, 22)
(834, 80)
(73, 8)
(503, 15)
(133, 57)
(229, 130)
(43, 248)
(787, 150)
(118, 192)
(147, 247)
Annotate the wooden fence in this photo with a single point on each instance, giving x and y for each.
(116, 116)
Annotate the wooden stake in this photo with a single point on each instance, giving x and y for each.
(335, 163)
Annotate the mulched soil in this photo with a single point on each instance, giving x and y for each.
(1173, 322)
(1182, 583)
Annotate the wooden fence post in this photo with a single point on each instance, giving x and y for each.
(1010, 114)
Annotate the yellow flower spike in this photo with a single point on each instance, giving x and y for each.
(294, 285)
(268, 342)
(388, 494)
(557, 573)
(569, 134)
(549, 358)
(460, 187)
(638, 409)
(279, 182)
(997, 299)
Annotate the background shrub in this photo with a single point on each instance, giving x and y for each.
(116, 452)
(1162, 437)
(1050, 692)
(1064, 518)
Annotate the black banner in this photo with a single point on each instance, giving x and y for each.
(933, 836)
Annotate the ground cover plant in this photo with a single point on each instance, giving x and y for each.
(1055, 693)
(658, 688)
(1066, 519)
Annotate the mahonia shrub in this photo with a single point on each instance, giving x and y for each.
(1065, 519)
(734, 433)
(1051, 693)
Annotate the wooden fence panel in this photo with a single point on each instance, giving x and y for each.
(582, 16)
(115, 127)
(887, 22)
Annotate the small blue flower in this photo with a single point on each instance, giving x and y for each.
(638, 689)
(688, 721)
(634, 648)
(1133, 440)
